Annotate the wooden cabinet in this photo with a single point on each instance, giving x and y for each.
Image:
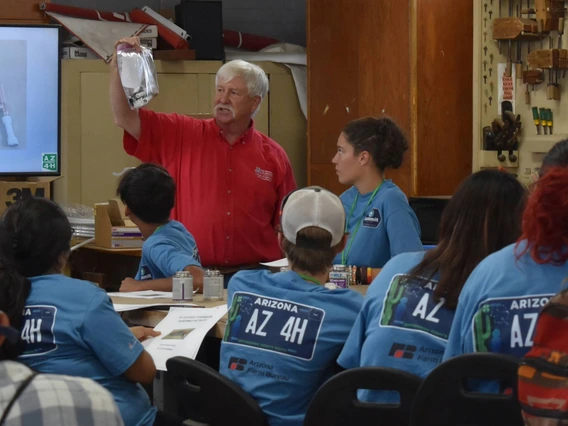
(408, 59)
(92, 152)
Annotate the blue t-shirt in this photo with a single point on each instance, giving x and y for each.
(400, 326)
(168, 250)
(282, 339)
(70, 327)
(500, 302)
(388, 227)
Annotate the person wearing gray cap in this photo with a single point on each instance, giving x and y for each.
(285, 330)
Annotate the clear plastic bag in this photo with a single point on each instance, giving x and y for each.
(137, 74)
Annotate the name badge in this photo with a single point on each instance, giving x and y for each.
(274, 325)
(372, 219)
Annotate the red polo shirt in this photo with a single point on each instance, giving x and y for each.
(228, 196)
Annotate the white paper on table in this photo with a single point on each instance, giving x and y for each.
(145, 294)
(277, 263)
(123, 307)
(183, 331)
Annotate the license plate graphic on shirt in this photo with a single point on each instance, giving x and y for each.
(274, 325)
(409, 304)
(507, 325)
(37, 330)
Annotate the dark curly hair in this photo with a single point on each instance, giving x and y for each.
(380, 137)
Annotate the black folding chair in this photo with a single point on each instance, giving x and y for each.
(444, 398)
(201, 396)
(336, 402)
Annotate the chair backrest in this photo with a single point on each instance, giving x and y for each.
(197, 392)
(443, 398)
(336, 402)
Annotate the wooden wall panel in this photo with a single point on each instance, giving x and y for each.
(12, 11)
(444, 95)
(358, 65)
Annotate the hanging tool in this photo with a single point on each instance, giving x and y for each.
(491, 58)
(536, 119)
(542, 114)
(527, 95)
(484, 66)
(490, 13)
(485, 6)
(549, 120)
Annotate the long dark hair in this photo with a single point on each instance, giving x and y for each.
(483, 216)
(380, 137)
(34, 233)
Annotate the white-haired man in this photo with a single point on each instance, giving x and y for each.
(230, 177)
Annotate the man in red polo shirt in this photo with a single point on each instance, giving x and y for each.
(230, 177)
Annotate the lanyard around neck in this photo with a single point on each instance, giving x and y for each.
(310, 279)
(347, 250)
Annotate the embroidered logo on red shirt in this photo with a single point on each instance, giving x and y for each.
(263, 174)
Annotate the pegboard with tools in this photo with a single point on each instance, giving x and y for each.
(521, 64)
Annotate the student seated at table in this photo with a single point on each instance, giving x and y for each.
(148, 192)
(500, 302)
(410, 306)
(29, 398)
(69, 326)
(285, 330)
(380, 222)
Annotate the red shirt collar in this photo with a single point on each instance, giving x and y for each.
(245, 137)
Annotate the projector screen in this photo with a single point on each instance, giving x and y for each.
(30, 80)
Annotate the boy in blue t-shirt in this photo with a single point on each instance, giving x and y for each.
(148, 192)
(285, 330)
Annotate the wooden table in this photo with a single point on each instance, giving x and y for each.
(152, 317)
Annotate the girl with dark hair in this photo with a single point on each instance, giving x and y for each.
(67, 326)
(409, 308)
(380, 222)
(500, 302)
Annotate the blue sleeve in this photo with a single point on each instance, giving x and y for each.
(108, 336)
(350, 356)
(169, 259)
(403, 232)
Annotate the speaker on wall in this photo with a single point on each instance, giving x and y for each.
(203, 21)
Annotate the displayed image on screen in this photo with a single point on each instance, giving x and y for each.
(30, 100)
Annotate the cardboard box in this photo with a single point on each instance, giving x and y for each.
(12, 191)
(75, 52)
(112, 229)
(151, 31)
(150, 43)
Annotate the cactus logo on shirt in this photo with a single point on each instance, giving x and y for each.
(410, 304)
(506, 325)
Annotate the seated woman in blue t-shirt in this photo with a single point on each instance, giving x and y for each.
(380, 222)
(68, 326)
(410, 306)
(501, 300)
